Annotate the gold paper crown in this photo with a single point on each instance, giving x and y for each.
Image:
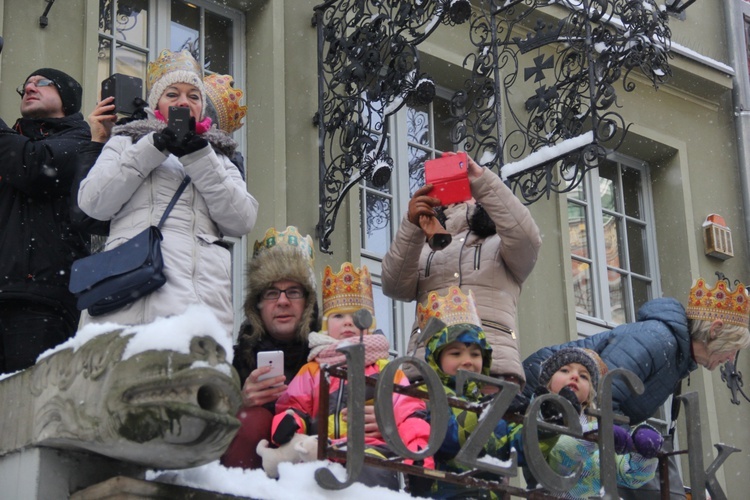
(348, 290)
(225, 100)
(289, 237)
(709, 304)
(451, 309)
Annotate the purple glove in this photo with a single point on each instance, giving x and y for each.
(623, 441)
(647, 441)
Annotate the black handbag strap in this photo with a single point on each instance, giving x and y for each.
(176, 197)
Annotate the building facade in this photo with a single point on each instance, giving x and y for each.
(633, 229)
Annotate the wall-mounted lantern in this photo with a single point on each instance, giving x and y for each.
(717, 238)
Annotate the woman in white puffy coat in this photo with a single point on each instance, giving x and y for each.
(134, 179)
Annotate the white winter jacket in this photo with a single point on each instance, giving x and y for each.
(131, 185)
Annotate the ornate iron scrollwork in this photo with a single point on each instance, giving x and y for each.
(368, 67)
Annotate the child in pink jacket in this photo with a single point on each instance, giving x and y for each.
(343, 294)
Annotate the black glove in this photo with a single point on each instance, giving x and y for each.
(164, 139)
(519, 404)
(551, 411)
(192, 143)
(286, 430)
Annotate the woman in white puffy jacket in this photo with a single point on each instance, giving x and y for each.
(138, 172)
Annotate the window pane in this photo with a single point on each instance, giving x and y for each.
(184, 29)
(582, 288)
(105, 17)
(641, 293)
(130, 62)
(441, 114)
(218, 44)
(747, 43)
(637, 248)
(617, 294)
(383, 313)
(417, 158)
(578, 192)
(607, 192)
(631, 187)
(612, 241)
(131, 21)
(418, 125)
(376, 223)
(578, 230)
(103, 59)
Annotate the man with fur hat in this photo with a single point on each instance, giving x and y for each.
(38, 242)
(281, 309)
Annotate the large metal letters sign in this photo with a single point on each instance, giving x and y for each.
(490, 413)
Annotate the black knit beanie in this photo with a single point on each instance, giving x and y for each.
(71, 92)
(564, 357)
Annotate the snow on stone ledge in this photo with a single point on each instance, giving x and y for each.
(173, 333)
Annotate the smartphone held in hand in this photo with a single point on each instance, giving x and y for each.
(179, 121)
(449, 176)
(274, 359)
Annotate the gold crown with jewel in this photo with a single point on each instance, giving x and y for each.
(289, 237)
(453, 308)
(709, 304)
(225, 100)
(348, 290)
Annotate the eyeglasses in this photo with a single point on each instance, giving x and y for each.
(39, 83)
(291, 293)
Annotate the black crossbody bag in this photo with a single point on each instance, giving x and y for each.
(110, 280)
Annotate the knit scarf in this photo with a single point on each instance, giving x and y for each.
(323, 348)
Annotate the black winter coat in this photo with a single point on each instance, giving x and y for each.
(41, 161)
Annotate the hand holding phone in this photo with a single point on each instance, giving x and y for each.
(449, 176)
(179, 122)
(274, 359)
(126, 90)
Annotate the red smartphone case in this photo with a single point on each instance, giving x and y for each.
(449, 176)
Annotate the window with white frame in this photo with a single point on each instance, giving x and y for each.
(416, 134)
(612, 244)
(133, 32)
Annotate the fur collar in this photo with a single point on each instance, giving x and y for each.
(219, 140)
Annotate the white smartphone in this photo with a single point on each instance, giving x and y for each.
(274, 359)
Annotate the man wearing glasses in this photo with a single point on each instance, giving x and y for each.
(281, 309)
(38, 164)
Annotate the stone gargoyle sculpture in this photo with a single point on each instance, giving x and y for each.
(165, 409)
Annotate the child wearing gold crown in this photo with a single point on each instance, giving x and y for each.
(664, 345)
(139, 170)
(460, 344)
(345, 293)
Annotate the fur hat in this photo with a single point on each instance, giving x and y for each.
(566, 356)
(169, 68)
(223, 105)
(69, 89)
(284, 255)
